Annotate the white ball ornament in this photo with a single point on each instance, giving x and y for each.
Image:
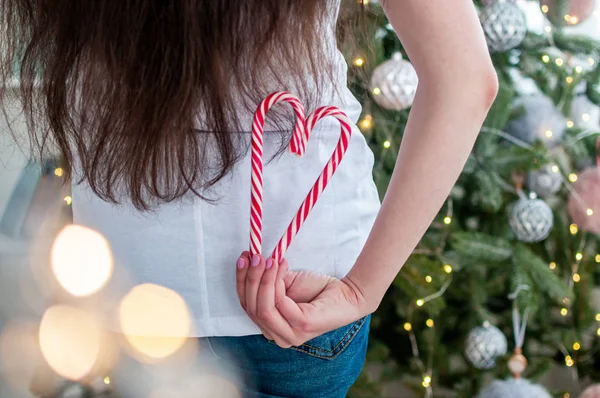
(504, 25)
(546, 181)
(585, 114)
(513, 388)
(394, 83)
(484, 345)
(531, 220)
(541, 120)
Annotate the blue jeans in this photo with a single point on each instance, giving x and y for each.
(251, 367)
(325, 366)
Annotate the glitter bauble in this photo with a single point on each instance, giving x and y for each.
(541, 120)
(513, 388)
(531, 220)
(504, 25)
(394, 83)
(546, 181)
(484, 345)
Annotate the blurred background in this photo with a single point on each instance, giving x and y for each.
(500, 299)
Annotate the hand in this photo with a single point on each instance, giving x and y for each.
(292, 307)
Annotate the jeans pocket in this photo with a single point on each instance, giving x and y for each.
(331, 344)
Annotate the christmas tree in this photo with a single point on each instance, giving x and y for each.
(524, 215)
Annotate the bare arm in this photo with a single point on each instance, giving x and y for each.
(457, 85)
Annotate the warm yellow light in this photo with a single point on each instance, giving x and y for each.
(429, 323)
(387, 144)
(447, 220)
(552, 265)
(567, 17)
(107, 380)
(569, 80)
(70, 341)
(545, 58)
(366, 123)
(569, 361)
(589, 212)
(448, 268)
(428, 279)
(578, 69)
(58, 171)
(420, 303)
(376, 91)
(548, 29)
(598, 332)
(359, 62)
(573, 228)
(578, 256)
(426, 381)
(585, 117)
(591, 61)
(407, 327)
(564, 311)
(597, 258)
(576, 277)
(554, 168)
(68, 200)
(548, 133)
(545, 9)
(598, 317)
(567, 395)
(570, 123)
(572, 177)
(576, 346)
(559, 61)
(81, 260)
(155, 321)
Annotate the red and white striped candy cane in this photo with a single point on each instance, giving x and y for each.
(298, 146)
(322, 180)
(257, 158)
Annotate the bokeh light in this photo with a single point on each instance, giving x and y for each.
(81, 260)
(70, 341)
(155, 321)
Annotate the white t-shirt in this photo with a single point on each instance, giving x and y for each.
(191, 246)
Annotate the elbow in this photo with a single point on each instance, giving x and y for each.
(490, 86)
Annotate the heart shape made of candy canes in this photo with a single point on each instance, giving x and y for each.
(298, 143)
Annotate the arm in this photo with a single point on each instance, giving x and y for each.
(457, 85)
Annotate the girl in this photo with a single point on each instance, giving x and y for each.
(151, 104)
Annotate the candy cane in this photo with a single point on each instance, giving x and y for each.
(257, 158)
(321, 182)
(300, 137)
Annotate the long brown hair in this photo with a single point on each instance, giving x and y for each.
(116, 86)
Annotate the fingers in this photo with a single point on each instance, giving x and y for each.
(240, 277)
(267, 313)
(253, 277)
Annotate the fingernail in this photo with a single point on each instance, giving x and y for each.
(255, 260)
(269, 263)
(241, 263)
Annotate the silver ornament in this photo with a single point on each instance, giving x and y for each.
(545, 181)
(394, 83)
(504, 25)
(513, 388)
(585, 114)
(541, 120)
(484, 345)
(531, 220)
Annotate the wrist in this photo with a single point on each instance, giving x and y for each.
(367, 303)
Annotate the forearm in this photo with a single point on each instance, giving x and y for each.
(439, 135)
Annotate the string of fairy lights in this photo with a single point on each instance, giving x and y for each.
(367, 123)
